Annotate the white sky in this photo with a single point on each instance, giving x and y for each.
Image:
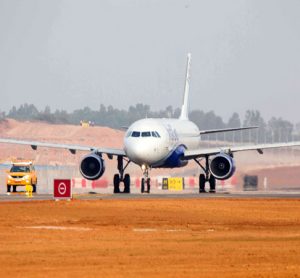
(70, 54)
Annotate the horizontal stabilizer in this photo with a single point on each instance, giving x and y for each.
(226, 130)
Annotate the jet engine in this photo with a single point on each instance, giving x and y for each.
(222, 166)
(92, 166)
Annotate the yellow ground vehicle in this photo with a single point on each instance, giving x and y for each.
(21, 174)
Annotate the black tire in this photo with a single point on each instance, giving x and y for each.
(148, 185)
(33, 188)
(127, 183)
(8, 188)
(142, 185)
(212, 184)
(202, 183)
(116, 183)
(14, 188)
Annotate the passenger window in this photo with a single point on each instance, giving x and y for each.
(146, 134)
(135, 134)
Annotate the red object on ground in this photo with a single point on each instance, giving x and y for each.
(62, 189)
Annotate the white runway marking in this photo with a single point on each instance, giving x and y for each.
(145, 230)
(61, 228)
(175, 230)
(149, 230)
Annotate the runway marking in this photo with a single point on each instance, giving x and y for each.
(145, 230)
(61, 228)
(149, 230)
(175, 230)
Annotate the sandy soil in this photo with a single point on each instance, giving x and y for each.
(151, 238)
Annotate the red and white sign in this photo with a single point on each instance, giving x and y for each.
(62, 189)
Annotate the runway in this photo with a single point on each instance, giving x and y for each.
(136, 196)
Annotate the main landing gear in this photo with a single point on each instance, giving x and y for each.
(207, 177)
(145, 182)
(118, 178)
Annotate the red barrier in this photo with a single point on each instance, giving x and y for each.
(102, 183)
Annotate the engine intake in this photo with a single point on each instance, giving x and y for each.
(92, 166)
(222, 166)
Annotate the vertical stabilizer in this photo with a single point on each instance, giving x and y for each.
(185, 106)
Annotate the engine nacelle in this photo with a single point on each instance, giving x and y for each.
(222, 166)
(92, 166)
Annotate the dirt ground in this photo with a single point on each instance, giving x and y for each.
(151, 238)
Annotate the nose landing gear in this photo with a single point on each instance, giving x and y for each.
(145, 182)
(118, 178)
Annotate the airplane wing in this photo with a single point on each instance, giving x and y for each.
(190, 154)
(226, 130)
(72, 148)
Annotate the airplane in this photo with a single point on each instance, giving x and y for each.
(161, 143)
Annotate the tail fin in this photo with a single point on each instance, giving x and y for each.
(185, 106)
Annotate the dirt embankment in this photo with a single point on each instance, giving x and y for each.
(64, 134)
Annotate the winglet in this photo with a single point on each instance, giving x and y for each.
(185, 106)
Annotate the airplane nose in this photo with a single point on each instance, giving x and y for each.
(142, 152)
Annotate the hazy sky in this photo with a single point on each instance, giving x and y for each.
(71, 53)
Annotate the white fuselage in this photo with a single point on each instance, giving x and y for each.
(151, 142)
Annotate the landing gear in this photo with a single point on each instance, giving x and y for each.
(212, 184)
(142, 185)
(127, 183)
(116, 183)
(145, 182)
(202, 181)
(207, 177)
(118, 178)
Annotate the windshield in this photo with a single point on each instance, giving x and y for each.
(144, 134)
(15, 169)
(135, 134)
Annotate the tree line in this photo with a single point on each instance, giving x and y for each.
(274, 130)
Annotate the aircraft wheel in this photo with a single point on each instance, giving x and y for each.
(212, 184)
(8, 188)
(14, 188)
(142, 185)
(148, 185)
(127, 184)
(202, 183)
(116, 183)
(33, 188)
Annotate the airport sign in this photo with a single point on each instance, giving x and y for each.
(62, 189)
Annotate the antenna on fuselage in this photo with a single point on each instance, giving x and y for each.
(185, 106)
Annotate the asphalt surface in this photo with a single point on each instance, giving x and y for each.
(224, 195)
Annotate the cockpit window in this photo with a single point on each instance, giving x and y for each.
(146, 134)
(128, 134)
(143, 134)
(135, 134)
